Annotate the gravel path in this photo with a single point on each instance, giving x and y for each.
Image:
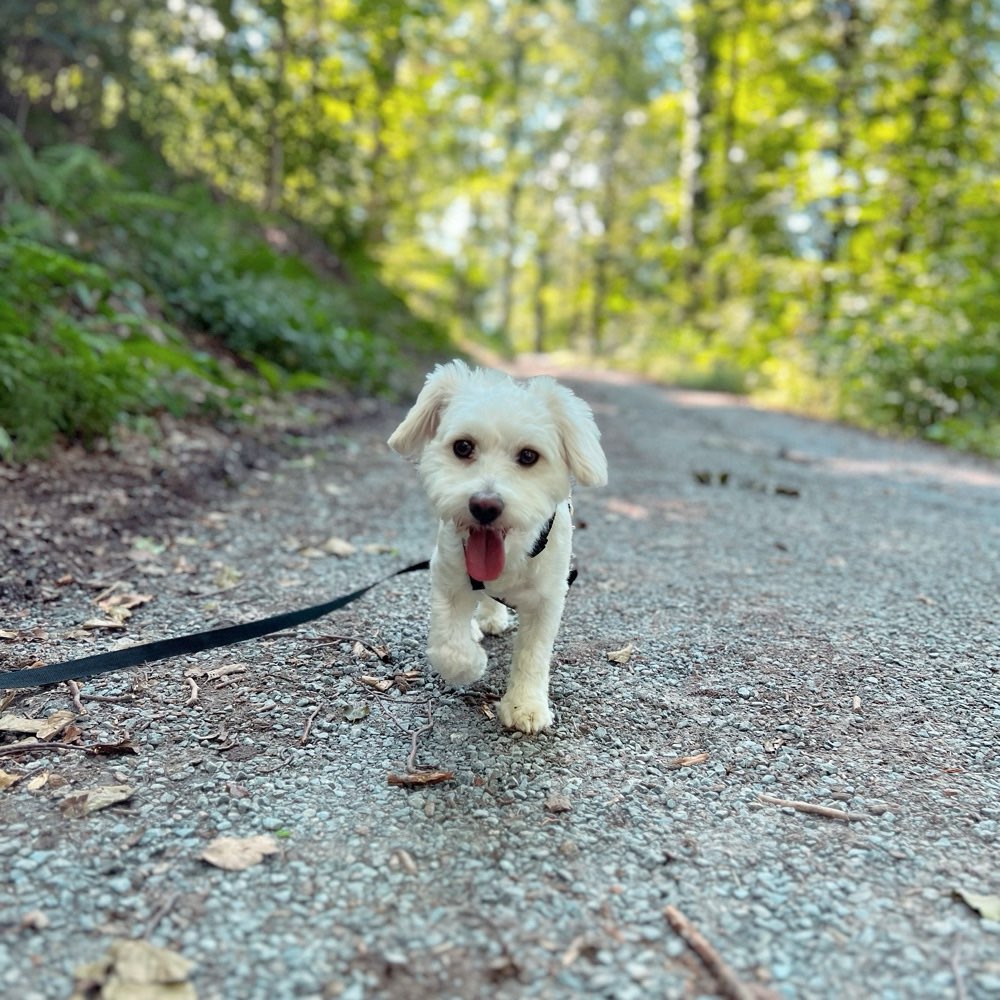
(812, 614)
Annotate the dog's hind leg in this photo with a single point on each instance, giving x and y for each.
(492, 616)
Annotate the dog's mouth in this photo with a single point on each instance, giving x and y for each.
(484, 553)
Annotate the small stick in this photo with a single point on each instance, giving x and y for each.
(193, 697)
(16, 748)
(810, 807)
(74, 690)
(114, 699)
(309, 722)
(730, 985)
(411, 761)
(329, 640)
(417, 779)
(160, 912)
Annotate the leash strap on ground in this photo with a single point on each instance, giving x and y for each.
(183, 645)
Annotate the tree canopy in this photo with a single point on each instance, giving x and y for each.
(798, 199)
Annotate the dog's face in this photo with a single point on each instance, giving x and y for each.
(498, 456)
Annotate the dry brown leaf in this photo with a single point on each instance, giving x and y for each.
(38, 781)
(690, 760)
(34, 920)
(6, 633)
(10, 723)
(379, 683)
(235, 854)
(7, 779)
(79, 804)
(557, 802)
(622, 655)
(136, 970)
(93, 624)
(44, 729)
(339, 547)
(55, 724)
(127, 601)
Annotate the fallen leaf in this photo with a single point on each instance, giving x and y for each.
(235, 854)
(226, 577)
(44, 729)
(38, 781)
(92, 624)
(135, 970)
(6, 633)
(19, 724)
(988, 907)
(622, 655)
(34, 920)
(557, 802)
(112, 749)
(689, 761)
(55, 724)
(355, 713)
(81, 804)
(339, 547)
(379, 683)
(378, 549)
(126, 601)
(6, 779)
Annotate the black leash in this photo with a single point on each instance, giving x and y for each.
(184, 645)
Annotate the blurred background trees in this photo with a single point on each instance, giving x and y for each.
(797, 199)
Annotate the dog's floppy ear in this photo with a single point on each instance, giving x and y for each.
(421, 423)
(578, 433)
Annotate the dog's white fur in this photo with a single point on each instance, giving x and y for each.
(501, 418)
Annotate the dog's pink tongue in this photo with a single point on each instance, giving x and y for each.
(484, 555)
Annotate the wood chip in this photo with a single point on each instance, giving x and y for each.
(417, 779)
(810, 807)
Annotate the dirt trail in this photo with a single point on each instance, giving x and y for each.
(801, 611)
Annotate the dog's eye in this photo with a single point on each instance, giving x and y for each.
(463, 448)
(527, 456)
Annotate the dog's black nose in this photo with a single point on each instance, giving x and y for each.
(485, 507)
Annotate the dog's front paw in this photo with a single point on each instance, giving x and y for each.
(527, 712)
(457, 663)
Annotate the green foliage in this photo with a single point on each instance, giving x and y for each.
(795, 200)
(100, 280)
(74, 357)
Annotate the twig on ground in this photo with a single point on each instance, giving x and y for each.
(810, 807)
(411, 761)
(730, 985)
(74, 690)
(305, 733)
(414, 778)
(417, 779)
(113, 699)
(193, 697)
(159, 913)
(956, 971)
(15, 748)
(329, 640)
(277, 767)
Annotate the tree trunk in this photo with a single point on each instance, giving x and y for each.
(275, 182)
(697, 75)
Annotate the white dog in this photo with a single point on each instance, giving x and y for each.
(497, 458)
